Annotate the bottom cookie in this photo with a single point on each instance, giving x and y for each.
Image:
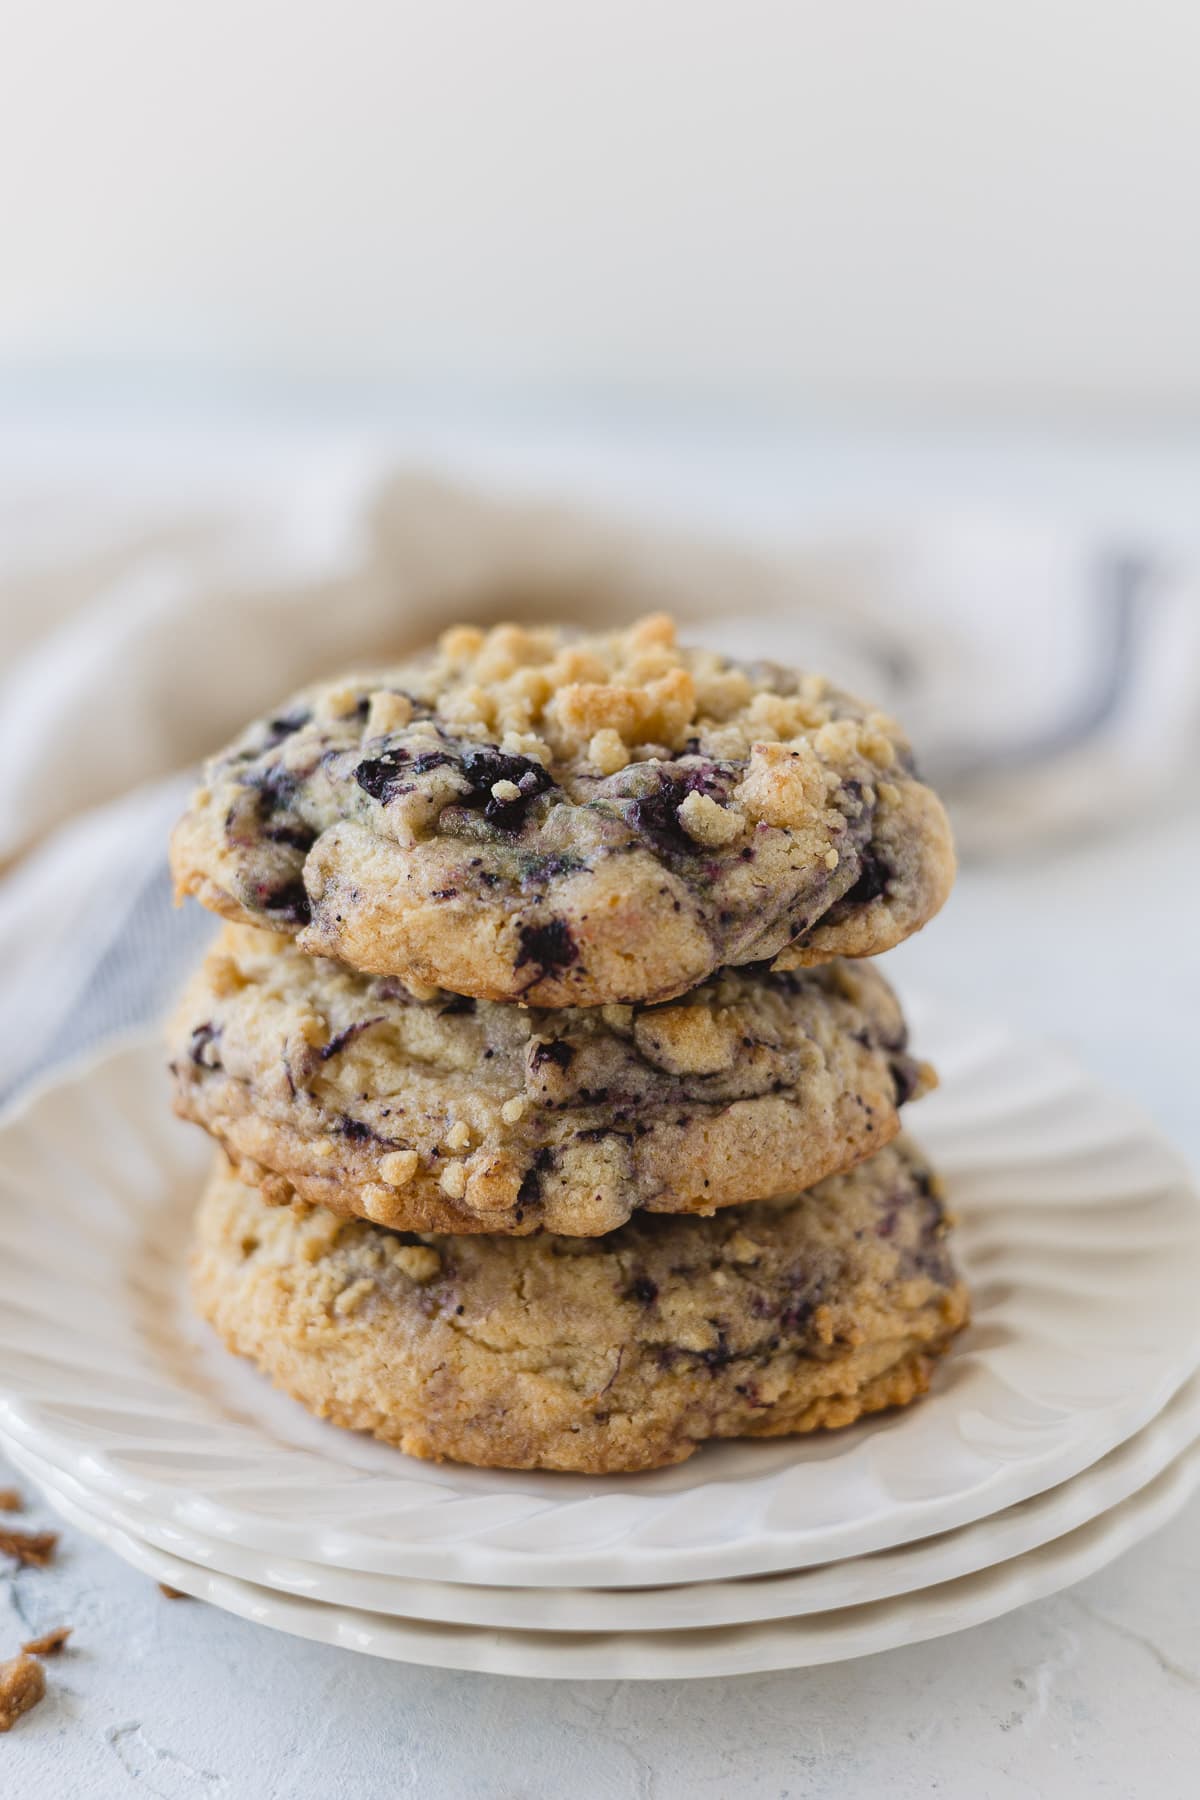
(597, 1355)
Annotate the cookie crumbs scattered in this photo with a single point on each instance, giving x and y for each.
(10, 1500)
(32, 1548)
(22, 1685)
(49, 1644)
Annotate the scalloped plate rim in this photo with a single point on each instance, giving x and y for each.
(1053, 1514)
(720, 1651)
(478, 1561)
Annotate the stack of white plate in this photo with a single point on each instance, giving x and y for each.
(1063, 1426)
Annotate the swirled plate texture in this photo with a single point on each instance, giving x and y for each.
(1079, 1229)
(791, 1643)
(854, 1581)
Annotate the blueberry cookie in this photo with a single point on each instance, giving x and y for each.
(570, 821)
(592, 1354)
(427, 1111)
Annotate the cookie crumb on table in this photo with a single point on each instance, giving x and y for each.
(10, 1500)
(32, 1548)
(50, 1642)
(170, 1593)
(22, 1685)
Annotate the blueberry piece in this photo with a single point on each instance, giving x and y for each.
(557, 1051)
(531, 1185)
(719, 1355)
(296, 837)
(289, 903)
(341, 1038)
(874, 874)
(643, 1290)
(380, 776)
(794, 1317)
(275, 787)
(284, 726)
(202, 1037)
(549, 946)
(922, 1180)
(799, 1310)
(655, 814)
(484, 768)
(905, 1076)
(383, 777)
(885, 1225)
(355, 1129)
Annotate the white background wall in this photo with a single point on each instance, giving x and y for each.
(986, 207)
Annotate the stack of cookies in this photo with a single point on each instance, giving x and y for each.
(557, 1128)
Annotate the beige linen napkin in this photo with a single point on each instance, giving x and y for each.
(1050, 683)
(141, 649)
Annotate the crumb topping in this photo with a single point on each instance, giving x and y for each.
(398, 1167)
(584, 708)
(526, 814)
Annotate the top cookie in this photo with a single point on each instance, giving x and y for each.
(570, 821)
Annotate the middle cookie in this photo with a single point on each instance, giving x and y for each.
(425, 1111)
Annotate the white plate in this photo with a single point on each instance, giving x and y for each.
(701, 1605)
(650, 1656)
(1080, 1231)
